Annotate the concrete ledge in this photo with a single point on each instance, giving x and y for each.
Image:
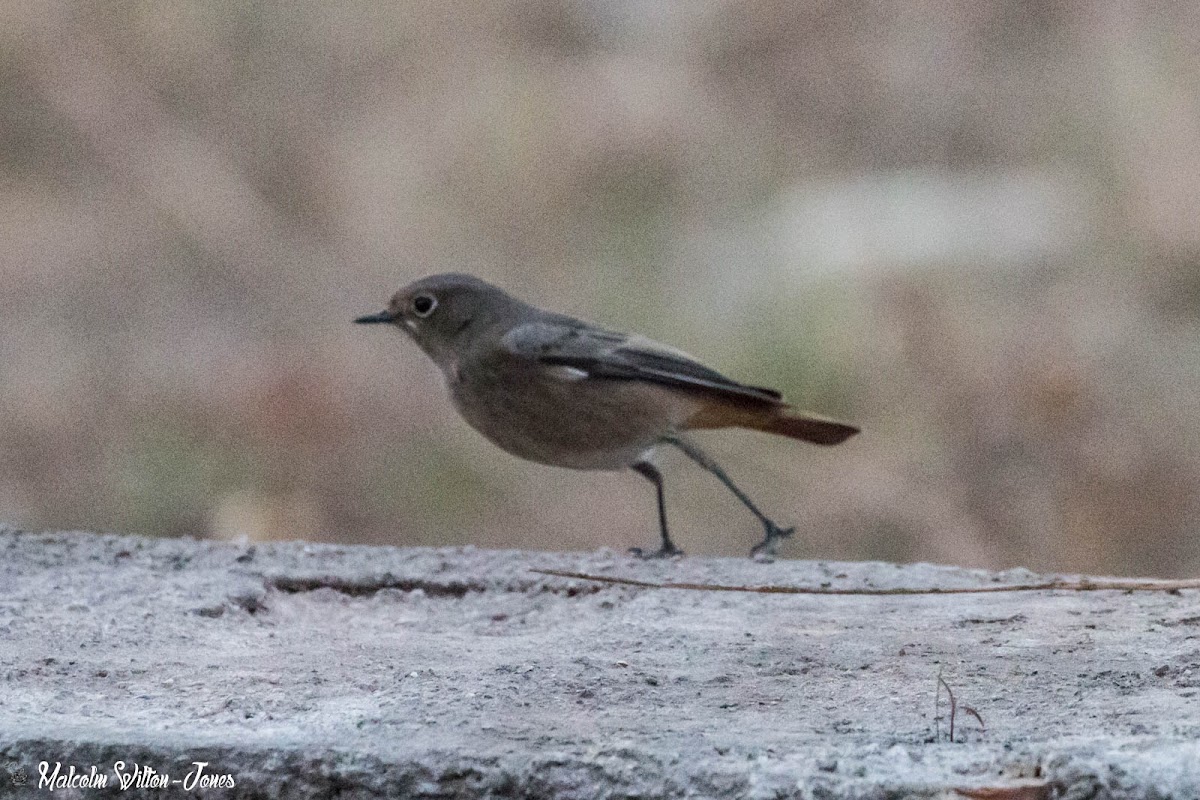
(306, 671)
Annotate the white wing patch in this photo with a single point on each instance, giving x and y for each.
(570, 374)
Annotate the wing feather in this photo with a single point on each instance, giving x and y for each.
(616, 356)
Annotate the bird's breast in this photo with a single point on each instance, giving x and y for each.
(565, 418)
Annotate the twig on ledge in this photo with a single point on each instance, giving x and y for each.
(1064, 585)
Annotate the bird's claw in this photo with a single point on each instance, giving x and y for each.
(766, 549)
(662, 552)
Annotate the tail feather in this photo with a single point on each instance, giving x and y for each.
(807, 427)
(778, 419)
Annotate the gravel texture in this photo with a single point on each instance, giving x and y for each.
(311, 671)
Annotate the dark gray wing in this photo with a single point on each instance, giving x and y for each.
(609, 355)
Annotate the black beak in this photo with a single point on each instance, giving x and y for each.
(376, 319)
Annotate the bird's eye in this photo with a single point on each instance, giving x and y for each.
(423, 305)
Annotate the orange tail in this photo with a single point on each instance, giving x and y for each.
(779, 420)
(800, 425)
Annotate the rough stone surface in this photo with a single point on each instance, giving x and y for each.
(310, 671)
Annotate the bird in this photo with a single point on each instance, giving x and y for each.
(556, 390)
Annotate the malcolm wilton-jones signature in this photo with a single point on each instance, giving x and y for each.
(125, 776)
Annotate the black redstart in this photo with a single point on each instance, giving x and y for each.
(561, 391)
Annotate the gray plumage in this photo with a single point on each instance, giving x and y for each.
(561, 391)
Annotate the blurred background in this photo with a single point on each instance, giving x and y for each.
(970, 228)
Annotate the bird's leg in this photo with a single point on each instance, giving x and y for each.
(764, 549)
(668, 549)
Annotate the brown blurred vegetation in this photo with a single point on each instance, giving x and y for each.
(969, 227)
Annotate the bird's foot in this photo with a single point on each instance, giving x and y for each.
(765, 551)
(666, 551)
